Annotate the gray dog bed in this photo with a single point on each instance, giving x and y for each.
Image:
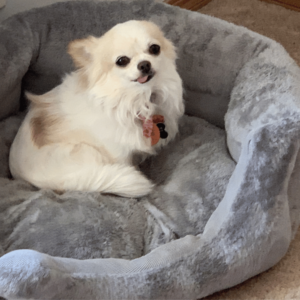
(216, 217)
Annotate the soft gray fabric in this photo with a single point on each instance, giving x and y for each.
(212, 222)
(90, 225)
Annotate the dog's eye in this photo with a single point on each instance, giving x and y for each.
(123, 61)
(154, 49)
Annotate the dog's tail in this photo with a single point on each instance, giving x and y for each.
(124, 181)
(67, 167)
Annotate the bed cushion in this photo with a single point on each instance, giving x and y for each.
(226, 202)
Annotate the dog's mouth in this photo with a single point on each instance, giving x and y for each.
(145, 78)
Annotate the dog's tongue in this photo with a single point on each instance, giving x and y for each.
(142, 79)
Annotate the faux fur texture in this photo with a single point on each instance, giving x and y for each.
(89, 225)
(213, 221)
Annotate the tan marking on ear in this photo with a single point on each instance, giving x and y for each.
(81, 51)
(91, 66)
(169, 49)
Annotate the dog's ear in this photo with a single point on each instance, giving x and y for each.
(81, 51)
(170, 49)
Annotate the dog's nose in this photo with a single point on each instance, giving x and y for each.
(144, 66)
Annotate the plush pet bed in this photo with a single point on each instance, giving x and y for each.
(226, 205)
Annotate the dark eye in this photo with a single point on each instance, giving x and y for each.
(154, 49)
(123, 61)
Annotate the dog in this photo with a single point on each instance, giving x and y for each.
(82, 135)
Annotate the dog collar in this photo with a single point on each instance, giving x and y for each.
(154, 128)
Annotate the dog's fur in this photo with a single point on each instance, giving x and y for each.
(83, 134)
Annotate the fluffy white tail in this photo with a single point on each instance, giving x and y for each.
(65, 167)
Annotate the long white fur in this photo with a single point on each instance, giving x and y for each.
(82, 134)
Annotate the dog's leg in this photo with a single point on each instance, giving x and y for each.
(81, 167)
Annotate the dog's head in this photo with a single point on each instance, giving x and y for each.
(132, 59)
(131, 54)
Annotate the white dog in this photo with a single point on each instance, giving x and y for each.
(83, 134)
